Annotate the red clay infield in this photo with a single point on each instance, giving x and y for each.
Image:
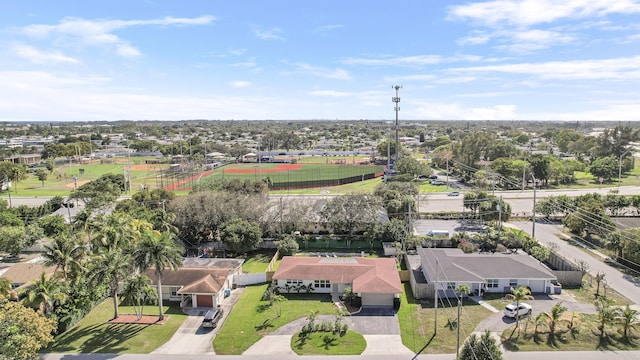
(279, 168)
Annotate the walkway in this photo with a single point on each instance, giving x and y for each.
(484, 303)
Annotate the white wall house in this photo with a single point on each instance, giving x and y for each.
(498, 273)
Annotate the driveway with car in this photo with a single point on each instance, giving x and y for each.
(498, 322)
(193, 338)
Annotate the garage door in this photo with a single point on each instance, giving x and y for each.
(537, 286)
(204, 301)
(377, 300)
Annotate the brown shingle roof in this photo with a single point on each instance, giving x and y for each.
(23, 273)
(366, 275)
(197, 280)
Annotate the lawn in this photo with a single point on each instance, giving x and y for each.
(585, 337)
(257, 262)
(327, 343)
(417, 323)
(252, 318)
(94, 335)
(66, 176)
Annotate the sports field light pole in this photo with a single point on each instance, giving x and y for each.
(396, 108)
(620, 168)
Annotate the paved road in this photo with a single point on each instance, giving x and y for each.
(565, 355)
(550, 234)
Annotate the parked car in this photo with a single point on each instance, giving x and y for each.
(453, 193)
(212, 317)
(437, 182)
(522, 309)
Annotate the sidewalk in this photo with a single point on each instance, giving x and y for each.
(484, 303)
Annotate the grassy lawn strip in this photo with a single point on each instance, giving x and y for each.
(257, 263)
(585, 337)
(326, 343)
(416, 323)
(252, 318)
(94, 335)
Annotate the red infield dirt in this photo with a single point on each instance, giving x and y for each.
(133, 319)
(279, 168)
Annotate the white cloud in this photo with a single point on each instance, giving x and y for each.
(273, 34)
(339, 74)
(100, 32)
(331, 93)
(39, 57)
(325, 29)
(240, 84)
(531, 12)
(612, 69)
(476, 38)
(457, 111)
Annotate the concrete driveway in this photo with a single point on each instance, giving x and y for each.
(379, 327)
(542, 303)
(191, 338)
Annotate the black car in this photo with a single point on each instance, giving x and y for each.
(212, 317)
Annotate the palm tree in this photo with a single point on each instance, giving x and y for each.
(115, 231)
(553, 317)
(45, 293)
(519, 294)
(63, 252)
(606, 314)
(5, 287)
(599, 279)
(137, 292)
(158, 250)
(629, 318)
(110, 266)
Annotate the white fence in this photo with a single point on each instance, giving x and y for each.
(249, 279)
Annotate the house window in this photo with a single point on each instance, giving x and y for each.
(451, 286)
(492, 283)
(513, 283)
(321, 284)
(294, 282)
(174, 291)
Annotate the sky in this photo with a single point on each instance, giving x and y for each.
(303, 60)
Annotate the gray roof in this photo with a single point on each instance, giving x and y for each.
(212, 263)
(455, 265)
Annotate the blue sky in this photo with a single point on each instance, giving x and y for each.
(174, 60)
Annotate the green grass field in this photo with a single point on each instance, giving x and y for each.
(93, 334)
(326, 343)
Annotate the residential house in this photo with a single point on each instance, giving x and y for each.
(451, 267)
(22, 274)
(199, 282)
(376, 281)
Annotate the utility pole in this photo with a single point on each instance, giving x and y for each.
(533, 212)
(435, 318)
(396, 100)
(458, 327)
(500, 218)
(388, 172)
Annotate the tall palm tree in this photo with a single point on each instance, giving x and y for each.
(160, 251)
(138, 292)
(111, 267)
(628, 318)
(63, 252)
(606, 314)
(553, 317)
(46, 293)
(115, 231)
(518, 295)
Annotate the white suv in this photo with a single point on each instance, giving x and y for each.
(520, 309)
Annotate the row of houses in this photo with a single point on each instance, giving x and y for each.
(205, 282)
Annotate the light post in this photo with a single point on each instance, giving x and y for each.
(533, 212)
(620, 167)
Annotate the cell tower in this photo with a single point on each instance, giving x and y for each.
(396, 100)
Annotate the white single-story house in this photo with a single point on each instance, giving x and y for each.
(498, 273)
(376, 281)
(199, 282)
